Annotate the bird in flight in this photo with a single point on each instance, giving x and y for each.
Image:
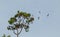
(38, 18)
(39, 12)
(48, 14)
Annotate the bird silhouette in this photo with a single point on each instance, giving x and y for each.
(39, 12)
(48, 14)
(38, 18)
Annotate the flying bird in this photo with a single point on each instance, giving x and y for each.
(38, 18)
(48, 14)
(39, 12)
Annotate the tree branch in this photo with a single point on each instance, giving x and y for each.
(20, 31)
(14, 32)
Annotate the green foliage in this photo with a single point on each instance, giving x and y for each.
(26, 28)
(11, 28)
(5, 35)
(8, 36)
(26, 20)
(24, 14)
(12, 20)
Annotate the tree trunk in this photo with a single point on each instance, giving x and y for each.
(17, 32)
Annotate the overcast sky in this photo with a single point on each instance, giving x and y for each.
(45, 27)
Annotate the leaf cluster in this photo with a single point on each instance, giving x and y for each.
(25, 17)
(5, 35)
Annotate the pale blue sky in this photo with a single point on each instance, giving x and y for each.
(45, 27)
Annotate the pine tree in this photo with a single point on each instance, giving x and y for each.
(20, 21)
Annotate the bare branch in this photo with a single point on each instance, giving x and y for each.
(14, 32)
(20, 31)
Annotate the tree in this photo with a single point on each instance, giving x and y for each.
(20, 21)
(5, 35)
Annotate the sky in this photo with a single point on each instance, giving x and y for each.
(44, 27)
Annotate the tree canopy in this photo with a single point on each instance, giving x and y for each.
(21, 20)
